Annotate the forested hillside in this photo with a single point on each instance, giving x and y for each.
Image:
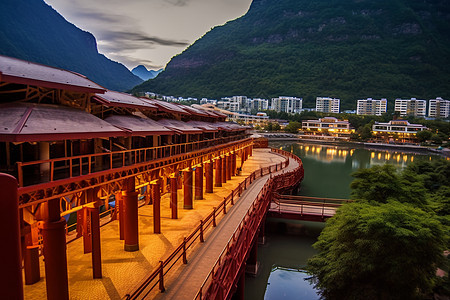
(341, 48)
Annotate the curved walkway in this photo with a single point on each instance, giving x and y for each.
(123, 271)
(187, 282)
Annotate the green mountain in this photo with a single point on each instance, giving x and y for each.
(34, 31)
(340, 48)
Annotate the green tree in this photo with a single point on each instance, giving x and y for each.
(293, 127)
(276, 127)
(385, 251)
(424, 135)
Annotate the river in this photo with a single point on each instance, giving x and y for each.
(288, 244)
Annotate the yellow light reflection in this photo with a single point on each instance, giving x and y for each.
(372, 155)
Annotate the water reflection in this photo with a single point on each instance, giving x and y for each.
(328, 168)
(358, 158)
(289, 283)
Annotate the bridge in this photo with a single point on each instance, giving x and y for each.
(108, 195)
(304, 208)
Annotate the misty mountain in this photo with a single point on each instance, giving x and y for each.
(32, 30)
(142, 72)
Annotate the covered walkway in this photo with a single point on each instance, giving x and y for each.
(123, 271)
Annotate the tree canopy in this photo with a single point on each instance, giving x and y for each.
(390, 241)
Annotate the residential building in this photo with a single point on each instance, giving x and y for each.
(411, 107)
(328, 105)
(328, 126)
(397, 130)
(287, 104)
(371, 106)
(439, 108)
(260, 119)
(259, 104)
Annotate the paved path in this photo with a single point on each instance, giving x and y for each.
(190, 277)
(123, 271)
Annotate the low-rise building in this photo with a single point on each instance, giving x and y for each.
(438, 108)
(371, 106)
(397, 130)
(411, 107)
(328, 105)
(328, 126)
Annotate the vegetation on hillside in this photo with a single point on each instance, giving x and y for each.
(388, 243)
(307, 48)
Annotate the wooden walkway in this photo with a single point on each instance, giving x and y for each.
(123, 271)
(190, 277)
(304, 208)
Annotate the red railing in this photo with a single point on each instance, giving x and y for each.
(67, 167)
(156, 278)
(220, 281)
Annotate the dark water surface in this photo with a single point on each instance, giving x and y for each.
(288, 245)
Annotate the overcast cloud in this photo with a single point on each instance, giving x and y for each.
(147, 32)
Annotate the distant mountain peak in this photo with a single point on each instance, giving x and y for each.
(34, 31)
(142, 72)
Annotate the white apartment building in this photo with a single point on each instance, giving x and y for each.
(438, 108)
(287, 104)
(371, 106)
(328, 105)
(259, 104)
(411, 107)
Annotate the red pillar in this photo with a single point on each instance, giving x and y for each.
(156, 195)
(240, 292)
(199, 183)
(55, 257)
(229, 167)
(209, 177)
(218, 181)
(95, 233)
(121, 211)
(187, 182)
(233, 164)
(130, 216)
(174, 196)
(224, 169)
(10, 272)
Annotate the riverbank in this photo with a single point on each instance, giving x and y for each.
(369, 146)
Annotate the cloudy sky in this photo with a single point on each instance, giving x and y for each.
(147, 32)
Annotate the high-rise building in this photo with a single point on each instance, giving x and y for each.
(371, 106)
(287, 104)
(328, 105)
(438, 108)
(411, 107)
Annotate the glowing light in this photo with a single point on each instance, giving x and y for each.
(372, 155)
(318, 150)
(405, 158)
(379, 155)
(412, 158)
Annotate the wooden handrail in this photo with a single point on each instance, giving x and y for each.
(89, 159)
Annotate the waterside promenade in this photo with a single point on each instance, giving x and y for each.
(123, 271)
